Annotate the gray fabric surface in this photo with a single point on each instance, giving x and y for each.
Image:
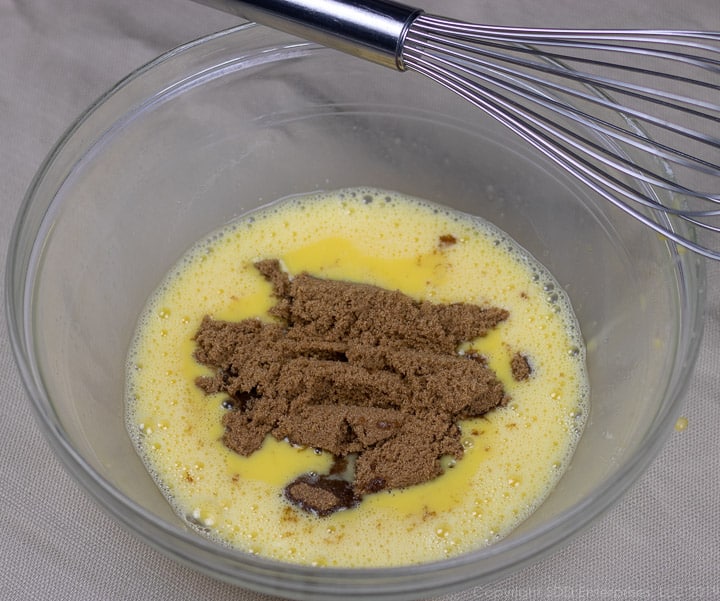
(661, 542)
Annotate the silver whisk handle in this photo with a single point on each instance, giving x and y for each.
(372, 29)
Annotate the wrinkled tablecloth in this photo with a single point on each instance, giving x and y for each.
(56, 56)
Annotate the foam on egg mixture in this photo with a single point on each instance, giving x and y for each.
(513, 455)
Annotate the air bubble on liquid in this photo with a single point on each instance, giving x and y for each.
(442, 532)
(195, 521)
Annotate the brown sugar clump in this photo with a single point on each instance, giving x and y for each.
(447, 240)
(520, 367)
(320, 494)
(355, 370)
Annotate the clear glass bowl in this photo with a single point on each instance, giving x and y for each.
(230, 122)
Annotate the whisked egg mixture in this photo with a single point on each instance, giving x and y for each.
(513, 455)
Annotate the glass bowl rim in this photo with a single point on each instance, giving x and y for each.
(406, 580)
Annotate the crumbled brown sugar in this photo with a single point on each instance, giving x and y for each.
(520, 367)
(352, 369)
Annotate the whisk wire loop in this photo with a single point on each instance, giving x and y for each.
(571, 38)
(580, 167)
(466, 54)
(506, 71)
(419, 51)
(544, 134)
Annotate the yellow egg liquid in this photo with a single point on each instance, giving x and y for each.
(513, 456)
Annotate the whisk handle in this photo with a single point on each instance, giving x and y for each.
(372, 29)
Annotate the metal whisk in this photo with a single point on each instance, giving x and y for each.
(587, 99)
